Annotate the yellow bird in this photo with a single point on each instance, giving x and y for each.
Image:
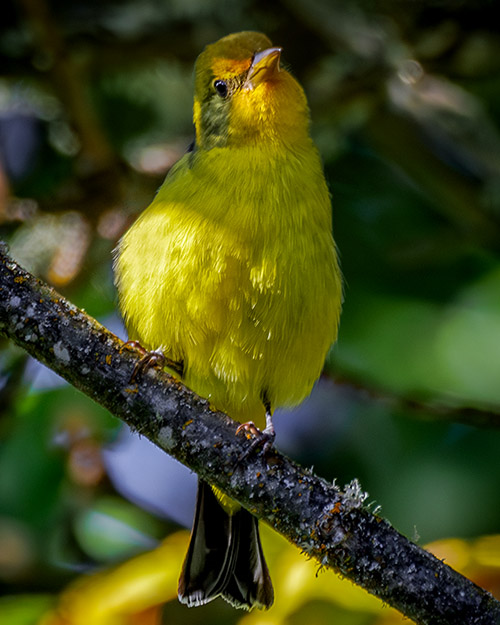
(232, 273)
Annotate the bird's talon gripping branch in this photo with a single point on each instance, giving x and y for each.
(148, 361)
(137, 346)
(250, 427)
(264, 438)
(153, 359)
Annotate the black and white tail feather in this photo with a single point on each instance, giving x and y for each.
(224, 557)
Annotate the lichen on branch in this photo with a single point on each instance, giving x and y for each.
(327, 523)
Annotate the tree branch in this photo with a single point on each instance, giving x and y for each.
(327, 524)
(69, 84)
(421, 405)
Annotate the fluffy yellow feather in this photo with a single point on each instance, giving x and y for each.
(232, 270)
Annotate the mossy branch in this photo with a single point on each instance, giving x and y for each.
(326, 523)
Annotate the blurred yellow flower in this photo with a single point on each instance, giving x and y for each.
(130, 594)
(133, 593)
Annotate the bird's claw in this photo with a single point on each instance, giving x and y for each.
(264, 439)
(148, 360)
(249, 426)
(155, 358)
(136, 345)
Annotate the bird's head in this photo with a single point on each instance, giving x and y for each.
(243, 96)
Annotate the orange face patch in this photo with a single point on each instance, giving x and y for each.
(229, 68)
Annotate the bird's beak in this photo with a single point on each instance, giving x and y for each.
(265, 66)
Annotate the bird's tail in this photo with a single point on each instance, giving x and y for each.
(224, 557)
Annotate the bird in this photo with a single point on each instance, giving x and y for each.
(232, 275)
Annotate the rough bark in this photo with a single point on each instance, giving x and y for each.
(327, 523)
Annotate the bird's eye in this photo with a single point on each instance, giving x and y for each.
(221, 87)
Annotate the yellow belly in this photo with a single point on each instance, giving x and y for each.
(244, 288)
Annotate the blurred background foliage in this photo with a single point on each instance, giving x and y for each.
(95, 101)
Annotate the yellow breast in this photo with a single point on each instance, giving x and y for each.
(233, 270)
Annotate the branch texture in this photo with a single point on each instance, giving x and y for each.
(326, 523)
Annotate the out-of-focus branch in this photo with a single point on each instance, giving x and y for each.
(429, 127)
(69, 85)
(330, 525)
(423, 406)
(453, 195)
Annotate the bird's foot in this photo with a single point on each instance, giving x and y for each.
(262, 438)
(153, 359)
